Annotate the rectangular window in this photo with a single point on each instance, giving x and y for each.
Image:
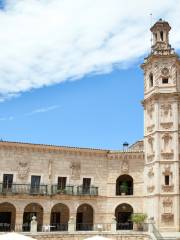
(86, 185)
(62, 182)
(35, 184)
(7, 181)
(165, 80)
(167, 180)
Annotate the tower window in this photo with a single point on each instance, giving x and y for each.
(165, 80)
(161, 35)
(150, 80)
(166, 180)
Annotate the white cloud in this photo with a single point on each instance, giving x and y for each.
(43, 42)
(42, 110)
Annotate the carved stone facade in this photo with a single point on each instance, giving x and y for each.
(105, 183)
(162, 128)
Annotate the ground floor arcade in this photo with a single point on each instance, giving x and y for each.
(60, 215)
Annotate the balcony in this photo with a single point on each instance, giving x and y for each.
(23, 189)
(91, 191)
(67, 190)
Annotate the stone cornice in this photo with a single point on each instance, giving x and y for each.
(19, 146)
(153, 57)
(126, 155)
(156, 96)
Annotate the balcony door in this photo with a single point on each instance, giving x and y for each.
(61, 183)
(7, 182)
(35, 184)
(86, 185)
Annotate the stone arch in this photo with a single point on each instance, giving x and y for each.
(124, 185)
(7, 217)
(123, 214)
(32, 209)
(84, 217)
(59, 217)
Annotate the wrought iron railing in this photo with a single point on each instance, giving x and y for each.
(23, 189)
(92, 191)
(124, 226)
(69, 190)
(84, 227)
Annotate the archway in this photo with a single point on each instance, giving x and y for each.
(7, 217)
(84, 218)
(59, 217)
(32, 209)
(123, 214)
(124, 185)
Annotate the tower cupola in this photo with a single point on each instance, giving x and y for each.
(160, 31)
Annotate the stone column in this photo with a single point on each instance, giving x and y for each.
(19, 221)
(150, 225)
(47, 218)
(113, 225)
(71, 225)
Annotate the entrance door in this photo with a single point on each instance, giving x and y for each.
(5, 221)
(79, 221)
(56, 221)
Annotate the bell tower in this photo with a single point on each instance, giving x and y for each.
(161, 130)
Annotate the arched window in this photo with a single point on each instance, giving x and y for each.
(161, 36)
(124, 185)
(151, 83)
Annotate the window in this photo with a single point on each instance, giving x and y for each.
(35, 181)
(165, 80)
(7, 181)
(167, 180)
(86, 185)
(161, 36)
(150, 80)
(61, 183)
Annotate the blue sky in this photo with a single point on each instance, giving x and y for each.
(66, 79)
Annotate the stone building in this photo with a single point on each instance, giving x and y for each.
(92, 188)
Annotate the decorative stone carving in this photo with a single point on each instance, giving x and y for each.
(150, 128)
(150, 172)
(167, 217)
(166, 112)
(150, 157)
(151, 146)
(167, 143)
(125, 166)
(167, 202)
(150, 110)
(167, 155)
(75, 170)
(165, 72)
(166, 125)
(167, 170)
(150, 188)
(23, 170)
(168, 188)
